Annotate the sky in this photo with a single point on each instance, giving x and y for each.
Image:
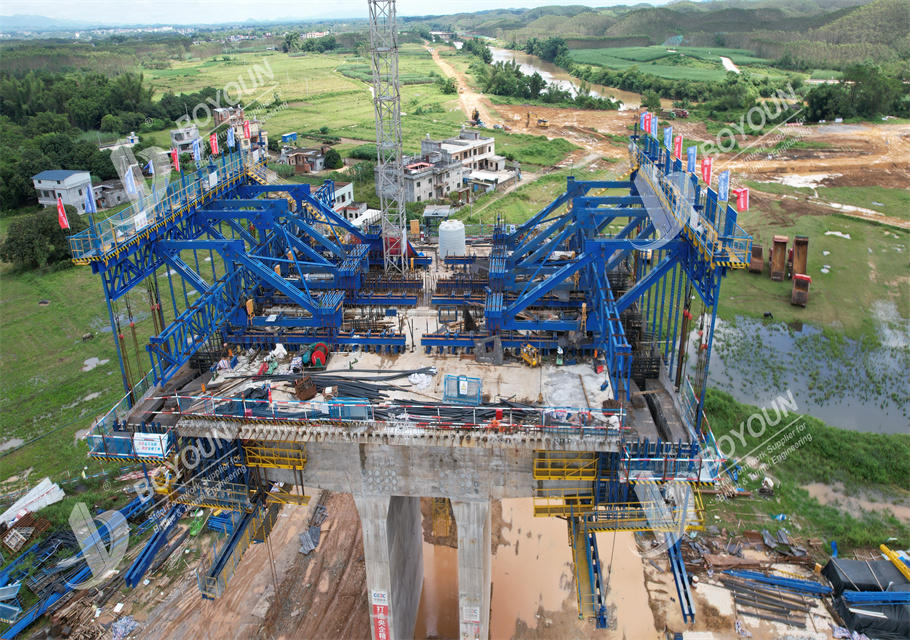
(221, 11)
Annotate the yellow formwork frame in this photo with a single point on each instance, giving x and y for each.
(565, 465)
(441, 517)
(277, 456)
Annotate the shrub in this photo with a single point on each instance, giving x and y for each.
(333, 159)
(36, 241)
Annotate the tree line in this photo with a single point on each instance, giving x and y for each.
(865, 92)
(47, 120)
(293, 43)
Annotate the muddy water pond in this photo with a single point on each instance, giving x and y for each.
(532, 570)
(861, 385)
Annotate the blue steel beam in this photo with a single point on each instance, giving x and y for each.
(633, 294)
(182, 338)
(530, 244)
(273, 279)
(174, 260)
(547, 285)
(546, 249)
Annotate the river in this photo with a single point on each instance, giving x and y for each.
(553, 74)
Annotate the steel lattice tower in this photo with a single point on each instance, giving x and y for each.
(387, 104)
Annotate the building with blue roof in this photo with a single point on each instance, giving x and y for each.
(70, 186)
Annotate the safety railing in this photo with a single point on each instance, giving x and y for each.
(563, 501)
(735, 242)
(660, 469)
(107, 235)
(112, 438)
(641, 516)
(565, 465)
(279, 456)
(556, 420)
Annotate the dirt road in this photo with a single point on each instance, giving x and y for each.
(468, 99)
(178, 610)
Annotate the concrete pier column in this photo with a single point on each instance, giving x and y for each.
(393, 553)
(475, 564)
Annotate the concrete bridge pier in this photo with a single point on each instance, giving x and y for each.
(393, 554)
(475, 564)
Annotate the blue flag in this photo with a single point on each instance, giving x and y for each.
(197, 151)
(723, 186)
(129, 181)
(230, 137)
(90, 206)
(641, 122)
(668, 137)
(690, 158)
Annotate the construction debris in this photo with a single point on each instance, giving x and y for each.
(43, 494)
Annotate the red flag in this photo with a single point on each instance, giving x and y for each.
(61, 214)
(677, 147)
(648, 122)
(706, 166)
(213, 143)
(246, 129)
(742, 199)
(176, 159)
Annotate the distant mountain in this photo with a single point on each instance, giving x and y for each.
(27, 22)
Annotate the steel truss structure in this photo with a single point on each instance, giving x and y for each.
(245, 246)
(587, 259)
(609, 268)
(387, 106)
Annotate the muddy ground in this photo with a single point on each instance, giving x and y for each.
(850, 155)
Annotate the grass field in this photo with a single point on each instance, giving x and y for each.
(519, 205)
(891, 202)
(872, 466)
(319, 94)
(871, 266)
(658, 61)
(41, 361)
(525, 201)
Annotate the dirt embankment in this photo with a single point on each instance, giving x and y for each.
(324, 594)
(852, 155)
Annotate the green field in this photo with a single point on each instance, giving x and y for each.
(659, 61)
(826, 74)
(529, 198)
(873, 466)
(871, 266)
(320, 92)
(41, 363)
(891, 202)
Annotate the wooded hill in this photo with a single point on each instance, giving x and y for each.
(805, 34)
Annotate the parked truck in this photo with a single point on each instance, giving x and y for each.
(800, 295)
(757, 261)
(779, 258)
